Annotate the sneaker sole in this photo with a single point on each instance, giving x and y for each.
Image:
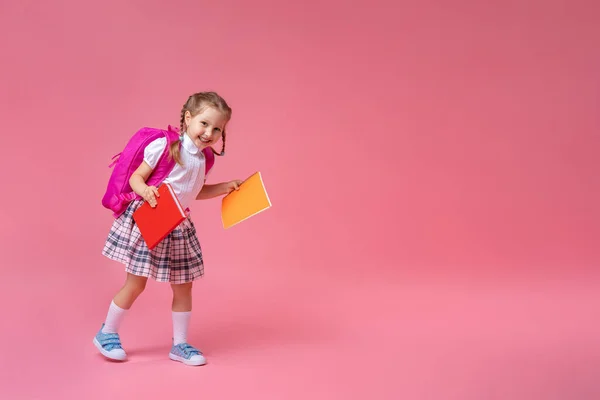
(107, 354)
(186, 361)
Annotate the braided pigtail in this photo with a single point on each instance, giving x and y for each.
(174, 149)
(182, 120)
(174, 152)
(222, 153)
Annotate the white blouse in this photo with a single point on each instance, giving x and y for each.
(186, 180)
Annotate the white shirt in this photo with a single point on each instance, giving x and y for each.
(186, 180)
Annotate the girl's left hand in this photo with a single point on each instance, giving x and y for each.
(232, 185)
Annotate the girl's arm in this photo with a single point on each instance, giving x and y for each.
(218, 189)
(138, 184)
(137, 181)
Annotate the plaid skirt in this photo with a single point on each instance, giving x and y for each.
(177, 259)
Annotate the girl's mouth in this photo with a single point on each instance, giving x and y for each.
(203, 140)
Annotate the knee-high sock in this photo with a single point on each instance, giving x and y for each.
(181, 322)
(113, 318)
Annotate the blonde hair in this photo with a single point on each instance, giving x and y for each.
(195, 104)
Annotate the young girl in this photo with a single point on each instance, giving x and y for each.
(178, 258)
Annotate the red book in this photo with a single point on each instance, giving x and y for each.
(156, 223)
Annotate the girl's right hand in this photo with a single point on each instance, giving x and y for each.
(150, 193)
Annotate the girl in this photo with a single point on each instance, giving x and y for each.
(178, 258)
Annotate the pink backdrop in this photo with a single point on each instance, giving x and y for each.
(433, 170)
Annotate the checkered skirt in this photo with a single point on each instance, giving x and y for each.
(177, 259)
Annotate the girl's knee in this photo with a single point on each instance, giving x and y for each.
(136, 284)
(182, 289)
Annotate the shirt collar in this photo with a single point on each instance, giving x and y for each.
(188, 144)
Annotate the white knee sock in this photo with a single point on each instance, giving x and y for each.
(181, 321)
(114, 318)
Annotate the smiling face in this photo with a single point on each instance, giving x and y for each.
(206, 127)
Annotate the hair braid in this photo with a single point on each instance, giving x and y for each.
(174, 149)
(222, 153)
(182, 120)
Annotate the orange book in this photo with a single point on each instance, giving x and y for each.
(156, 223)
(249, 200)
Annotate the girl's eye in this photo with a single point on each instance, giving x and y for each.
(203, 123)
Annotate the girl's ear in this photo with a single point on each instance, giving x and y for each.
(188, 118)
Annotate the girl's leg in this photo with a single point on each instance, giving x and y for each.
(133, 287)
(123, 300)
(107, 339)
(182, 311)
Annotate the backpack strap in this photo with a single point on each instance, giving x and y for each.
(165, 164)
(209, 156)
(115, 159)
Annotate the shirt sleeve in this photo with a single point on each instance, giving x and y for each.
(154, 150)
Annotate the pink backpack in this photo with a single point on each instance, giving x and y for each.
(118, 192)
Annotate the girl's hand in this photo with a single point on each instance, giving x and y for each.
(150, 193)
(232, 185)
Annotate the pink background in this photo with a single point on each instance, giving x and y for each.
(433, 170)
